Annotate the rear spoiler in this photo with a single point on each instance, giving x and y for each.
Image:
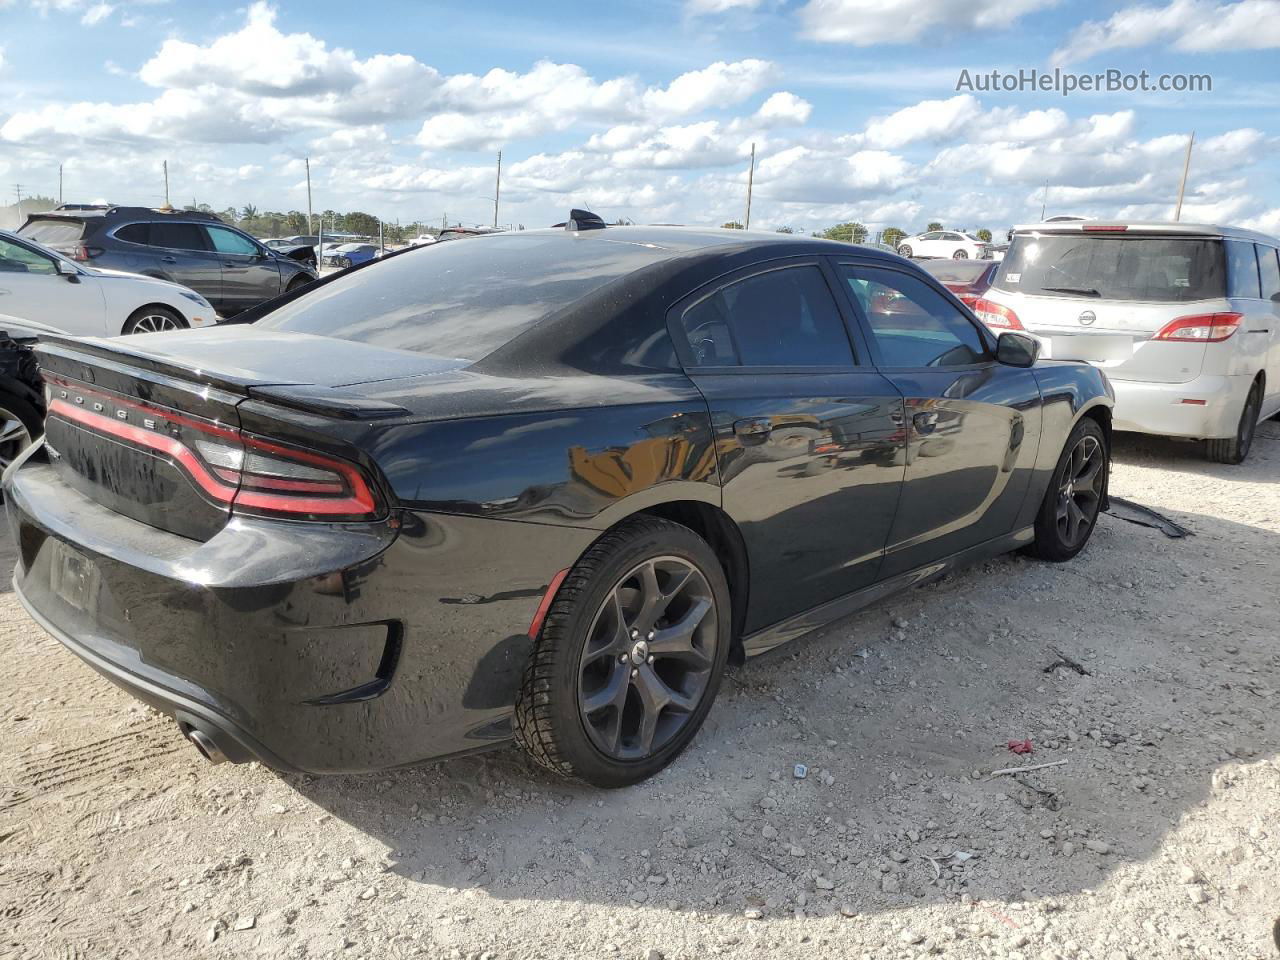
(307, 397)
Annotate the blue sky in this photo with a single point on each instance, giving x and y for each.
(644, 110)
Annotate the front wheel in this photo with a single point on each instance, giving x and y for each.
(1073, 501)
(629, 658)
(905, 251)
(1233, 450)
(153, 320)
(960, 255)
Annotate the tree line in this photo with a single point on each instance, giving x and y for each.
(853, 232)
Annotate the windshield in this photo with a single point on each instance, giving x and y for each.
(53, 232)
(461, 300)
(1160, 269)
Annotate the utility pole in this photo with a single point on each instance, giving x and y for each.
(166, 183)
(17, 189)
(751, 176)
(497, 189)
(307, 161)
(1186, 167)
(1044, 200)
(59, 184)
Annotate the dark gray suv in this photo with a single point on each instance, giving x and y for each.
(230, 268)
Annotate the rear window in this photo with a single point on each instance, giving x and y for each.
(956, 271)
(461, 300)
(53, 232)
(1158, 269)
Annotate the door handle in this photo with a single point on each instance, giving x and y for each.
(753, 429)
(168, 259)
(925, 422)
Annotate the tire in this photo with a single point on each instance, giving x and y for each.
(153, 319)
(297, 283)
(905, 251)
(586, 705)
(19, 425)
(960, 255)
(1069, 511)
(1233, 450)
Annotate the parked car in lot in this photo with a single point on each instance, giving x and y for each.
(351, 254)
(543, 484)
(1184, 318)
(42, 286)
(21, 389)
(967, 279)
(228, 267)
(945, 243)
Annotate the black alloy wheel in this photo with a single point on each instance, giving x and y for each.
(1233, 450)
(1071, 505)
(647, 658)
(629, 658)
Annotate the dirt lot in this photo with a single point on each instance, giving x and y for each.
(1158, 837)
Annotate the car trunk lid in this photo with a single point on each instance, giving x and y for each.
(149, 425)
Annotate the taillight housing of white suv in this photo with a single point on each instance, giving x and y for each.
(996, 315)
(1200, 328)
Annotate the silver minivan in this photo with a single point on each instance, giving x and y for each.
(1183, 318)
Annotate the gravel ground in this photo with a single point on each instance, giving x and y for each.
(1158, 836)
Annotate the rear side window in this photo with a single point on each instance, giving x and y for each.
(177, 236)
(1153, 269)
(54, 232)
(1269, 268)
(228, 241)
(1242, 270)
(913, 324)
(135, 233)
(783, 318)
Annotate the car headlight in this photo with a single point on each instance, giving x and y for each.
(196, 298)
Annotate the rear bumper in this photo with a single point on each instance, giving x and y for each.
(312, 647)
(1161, 408)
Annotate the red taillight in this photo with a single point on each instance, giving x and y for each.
(996, 315)
(84, 254)
(1200, 328)
(247, 473)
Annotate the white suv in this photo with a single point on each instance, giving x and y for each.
(1183, 318)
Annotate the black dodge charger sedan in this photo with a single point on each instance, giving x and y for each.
(543, 484)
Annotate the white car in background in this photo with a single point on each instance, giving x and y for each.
(1183, 318)
(944, 243)
(42, 286)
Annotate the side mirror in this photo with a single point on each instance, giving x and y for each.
(67, 270)
(1017, 349)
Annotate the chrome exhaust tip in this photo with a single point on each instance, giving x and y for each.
(205, 744)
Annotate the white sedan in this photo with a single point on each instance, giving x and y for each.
(945, 243)
(42, 286)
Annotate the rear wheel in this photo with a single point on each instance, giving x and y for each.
(297, 283)
(153, 319)
(629, 658)
(1074, 498)
(1235, 449)
(960, 255)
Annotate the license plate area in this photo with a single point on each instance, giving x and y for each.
(73, 577)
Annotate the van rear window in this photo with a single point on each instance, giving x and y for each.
(1157, 269)
(53, 232)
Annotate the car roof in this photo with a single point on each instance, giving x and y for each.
(1163, 227)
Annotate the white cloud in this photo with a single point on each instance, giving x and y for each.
(1194, 25)
(719, 85)
(784, 108)
(865, 23)
(697, 7)
(926, 120)
(96, 14)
